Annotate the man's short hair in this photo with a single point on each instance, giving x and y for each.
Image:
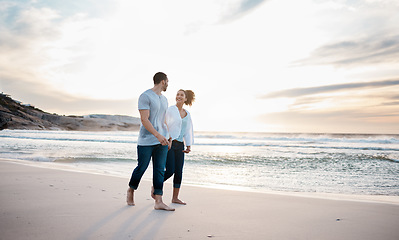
(159, 76)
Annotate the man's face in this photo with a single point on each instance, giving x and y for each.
(165, 85)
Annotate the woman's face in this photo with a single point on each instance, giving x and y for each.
(181, 97)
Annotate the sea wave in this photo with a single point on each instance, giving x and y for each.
(273, 143)
(70, 139)
(91, 160)
(306, 140)
(297, 146)
(233, 139)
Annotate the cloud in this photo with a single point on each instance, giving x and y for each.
(53, 100)
(39, 46)
(28, 28)
(21, 43)
(299, 92)
(247, 5)
(358, 111)
(381, 49)
(393, 103)
(346, 121)
(241, 8)
(359, 32)
(33, 44)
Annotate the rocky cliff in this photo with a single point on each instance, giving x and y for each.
(14, 115)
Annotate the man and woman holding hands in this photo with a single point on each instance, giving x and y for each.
(163, 134)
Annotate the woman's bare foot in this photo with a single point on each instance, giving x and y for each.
(175, 198)
(162, 206)
(178, 201)
(130, 197)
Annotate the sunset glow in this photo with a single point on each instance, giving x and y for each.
(254, 65)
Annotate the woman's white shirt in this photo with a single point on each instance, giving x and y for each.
(174, 123)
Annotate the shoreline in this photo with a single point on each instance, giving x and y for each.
(385, 199)
(43, 203)
(362, 134)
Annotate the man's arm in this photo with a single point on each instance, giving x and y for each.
(144, 116)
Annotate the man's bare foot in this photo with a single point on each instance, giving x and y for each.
(130, 197)
(178, 201)
(152, 192)
(162, 206)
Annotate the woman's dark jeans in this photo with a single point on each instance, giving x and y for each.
(144, 154)
(174, 163)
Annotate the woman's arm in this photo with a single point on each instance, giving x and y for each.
(189, 134)
(188, 149)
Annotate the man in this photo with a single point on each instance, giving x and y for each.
(152, 141)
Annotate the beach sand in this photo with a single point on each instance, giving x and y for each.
(43, 203)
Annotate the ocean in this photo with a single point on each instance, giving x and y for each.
(363, 164)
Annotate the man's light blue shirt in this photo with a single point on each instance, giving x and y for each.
(157, 104)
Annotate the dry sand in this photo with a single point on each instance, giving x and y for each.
(42, 203)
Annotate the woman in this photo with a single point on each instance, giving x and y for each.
(181, 132)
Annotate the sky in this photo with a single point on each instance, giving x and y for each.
(309, 66)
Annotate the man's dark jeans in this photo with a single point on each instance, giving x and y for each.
(158, 153)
